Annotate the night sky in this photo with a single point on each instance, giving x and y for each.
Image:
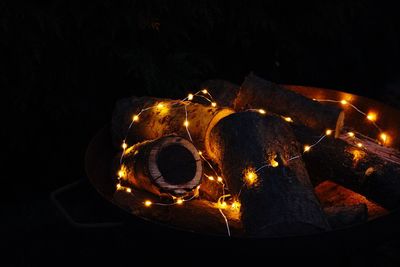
(65, 63)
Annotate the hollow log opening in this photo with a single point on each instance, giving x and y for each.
(176, 164)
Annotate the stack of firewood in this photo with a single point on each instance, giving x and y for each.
(255, 138)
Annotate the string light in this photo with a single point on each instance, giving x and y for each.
(359, 144)
(118, 186)
(190, 97)
(344, 102)
(179, 201)
(211, 178)
(186, 123)
(200, 153)
(383, 137)
(135, 118)
(261, 111)
(307, 148)
(213, 104)
(160, 105)
(328, 132)
(351, 134)
(250, 176)
(288, 119)
(128, 190)
(124, 145)
(219, 179)
(372, 116)
(204, 91)
(235, 205)
(148, 203)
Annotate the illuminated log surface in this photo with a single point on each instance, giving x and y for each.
(281, 202)
(331, 194)
(170, 164)
(197, 215)
(344, 216)
(370, 174)
(256, 92)
(169, 118)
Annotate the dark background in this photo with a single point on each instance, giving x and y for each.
(65, 63)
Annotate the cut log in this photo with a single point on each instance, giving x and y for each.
(163, 117)
(275, 201)
(344, 216)
(331, 194)
(170, 164)
(259, 93)
(356, 168)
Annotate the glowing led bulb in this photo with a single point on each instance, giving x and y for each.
(359, 145)
(211, 178)
(204, 91)
(261, 111)
(288, 119)
(328, 132)
(186, 123)
(128, 190)
(190, 97)
(121, 173)
(274, 163)
(160, 105)
(179, 201)
(372, 116)
(213, 104)
(235, 205)
(344, 102)
(118, 186)
(200, 153)
(383, 137)
(351, 134)
(307, 148)
(148, 203)
(219, 179)
(124, 145)
(135, 118)
(250, 176)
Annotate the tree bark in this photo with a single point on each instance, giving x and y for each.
(170, 164)
(160, 121)
(281, 201)
(256, 92)
(356, 168)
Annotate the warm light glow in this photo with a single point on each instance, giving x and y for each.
(250, 176)
(128, 190)
(357, 154)
(372, 116)
(288, 119)
(261, 111)
(160, 105)
(213, 104)
(384, 137)
(135, 118)
(328, 132)
(200, 153)
(307, 148)
(148, 203)
(359, 145)
(235, 205)
(204, 91)
(118, 186)
(221, 205)
(179, 201)
(190, 97)
(186, 123)
(122, 172)
(343, 102)
(211, 178)
(124, 145)
(219, 179)
(272, 161)
(351, 134)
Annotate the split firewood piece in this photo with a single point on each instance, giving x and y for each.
(163, 117)
(344, 216)
(331, 194)
(362, 171)
(277, 200)
(256, 92)
(170, 164)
